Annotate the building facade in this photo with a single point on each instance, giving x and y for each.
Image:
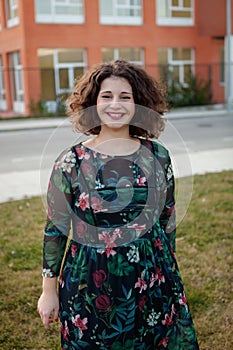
(45, 45)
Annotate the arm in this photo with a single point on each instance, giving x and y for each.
(59, 198)
(48, 303)
(168, 217)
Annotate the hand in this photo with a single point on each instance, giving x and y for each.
(48, 308)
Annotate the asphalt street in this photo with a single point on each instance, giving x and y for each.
(199, 142)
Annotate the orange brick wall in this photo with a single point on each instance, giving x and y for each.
(29, 36)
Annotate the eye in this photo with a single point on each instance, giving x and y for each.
(126, 97)
(105, 96)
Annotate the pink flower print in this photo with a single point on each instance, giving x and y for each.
(109, 243)
(99, 276)
(61, 282)
(142, 302)
(170, 210)
(157, 277)
(80, 324)
(158, 244)
(138, 227)
(141, 180)
(163, 342)
(168, 319)
(50, 185)
(49, 211)
(141, 283)
(65, 331)
(81, 228)
(102, 302)
(73, 250)
(109, 240)
(96, 204)
(82, 153)
(83, 201)
(183, 299)
(109, 251)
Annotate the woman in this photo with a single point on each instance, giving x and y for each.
(119, 284)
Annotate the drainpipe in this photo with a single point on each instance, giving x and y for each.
(228, 60)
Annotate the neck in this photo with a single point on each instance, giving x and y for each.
(109, 134)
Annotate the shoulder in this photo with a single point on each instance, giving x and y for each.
(157, 149)
(66, 160)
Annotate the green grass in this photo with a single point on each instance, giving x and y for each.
(204, 253)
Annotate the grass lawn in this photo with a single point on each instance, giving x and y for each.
(204, 253)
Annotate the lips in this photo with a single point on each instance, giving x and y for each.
(115, 116)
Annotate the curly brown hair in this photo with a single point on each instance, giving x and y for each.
(149, 98)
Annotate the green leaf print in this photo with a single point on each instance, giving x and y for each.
(61, 182)
(118, 266)
(52, 254)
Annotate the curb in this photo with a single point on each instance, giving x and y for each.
(20, 125)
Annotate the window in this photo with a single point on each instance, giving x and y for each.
(17, 82)
(222, 65)
(127, 12)
(175, 12)
(12, 12)
(59, 68)
(59, 11)
(134, 55)
(176, 64)
(2, 88)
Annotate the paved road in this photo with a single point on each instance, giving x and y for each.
(197, 145)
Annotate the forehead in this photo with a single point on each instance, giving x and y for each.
(115, 84)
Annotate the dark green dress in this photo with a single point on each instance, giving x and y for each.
(119, 286)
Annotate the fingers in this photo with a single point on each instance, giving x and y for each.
(47, 319)
(55, 315)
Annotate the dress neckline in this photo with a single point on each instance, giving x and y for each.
(113, 155)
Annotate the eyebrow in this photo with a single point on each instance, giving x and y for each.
(122, 92)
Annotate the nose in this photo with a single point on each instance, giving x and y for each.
(115, 103)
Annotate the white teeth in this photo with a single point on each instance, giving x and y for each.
(116, 115)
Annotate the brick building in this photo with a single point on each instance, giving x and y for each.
(44, 45)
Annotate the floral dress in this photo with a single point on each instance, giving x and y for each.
(119, 283)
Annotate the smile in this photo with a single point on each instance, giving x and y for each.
(115, 116)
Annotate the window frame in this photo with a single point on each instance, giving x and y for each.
(10, 6)
(53, 17)
(175, 21)
(3, 105)
(171, 63)
(52, 104)
(17, 83)
(115, 19)
(116, 55)
(70, 66)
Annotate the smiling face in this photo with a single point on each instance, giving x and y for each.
(115, 103)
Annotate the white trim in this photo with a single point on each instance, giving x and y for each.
(12, 22)
(179, 22)
(121, 20)
(19, 107)
(3, 106)
(63, 19)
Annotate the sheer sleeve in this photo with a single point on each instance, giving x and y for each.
(168, 217)
(59, 200)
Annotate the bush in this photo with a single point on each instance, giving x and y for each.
(196, 92)
(39, 107)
